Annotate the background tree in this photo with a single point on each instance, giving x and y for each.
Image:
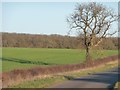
(52, 41)
(93, 21)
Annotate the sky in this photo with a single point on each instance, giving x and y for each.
(40, 17)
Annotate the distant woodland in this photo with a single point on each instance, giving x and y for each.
(52, 41)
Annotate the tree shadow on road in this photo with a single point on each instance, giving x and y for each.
(110, 77)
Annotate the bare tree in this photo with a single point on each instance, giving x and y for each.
(93, 21)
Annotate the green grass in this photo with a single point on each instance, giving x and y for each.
(49, 81)
(18, 58)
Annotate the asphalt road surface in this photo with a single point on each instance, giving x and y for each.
(105, 79)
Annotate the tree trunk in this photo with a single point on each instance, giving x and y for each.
(88, 58)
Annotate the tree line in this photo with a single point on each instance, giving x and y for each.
(51, 41)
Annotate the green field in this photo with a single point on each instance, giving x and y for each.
(18, 58)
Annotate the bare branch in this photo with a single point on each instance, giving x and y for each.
(94, 20)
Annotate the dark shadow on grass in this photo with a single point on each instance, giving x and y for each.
(69, 77)
(26, 61)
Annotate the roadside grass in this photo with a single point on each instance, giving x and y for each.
(117, 86)
(24, 58)
(52, 80)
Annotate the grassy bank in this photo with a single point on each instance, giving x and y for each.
(117, 86)
(51, 80)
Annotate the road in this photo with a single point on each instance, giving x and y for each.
(99, 80)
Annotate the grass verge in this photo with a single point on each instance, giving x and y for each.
(117, 86)
(18, 76)
(53, 79)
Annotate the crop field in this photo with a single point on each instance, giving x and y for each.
(23, 58)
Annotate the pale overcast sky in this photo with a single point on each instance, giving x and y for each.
(40, 17)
